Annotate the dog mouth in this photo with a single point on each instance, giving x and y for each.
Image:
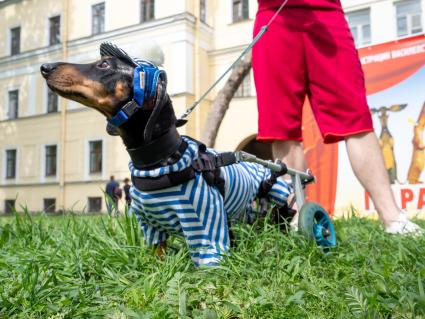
(69, 94)
(59, 83)
(60, 88)
(81, 93)
(65, 89)
(64, 81)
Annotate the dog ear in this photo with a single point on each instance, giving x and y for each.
(181, 122)
(109, 49)
(159, 104)
(112, 130)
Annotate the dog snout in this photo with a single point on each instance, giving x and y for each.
(48, 68)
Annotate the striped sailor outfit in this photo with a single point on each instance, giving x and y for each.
(197, 210)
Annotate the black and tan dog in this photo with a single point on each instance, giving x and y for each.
(179, 187)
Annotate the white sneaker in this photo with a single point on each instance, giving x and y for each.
(403, 226)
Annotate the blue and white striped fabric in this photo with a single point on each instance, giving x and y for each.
(196, 210)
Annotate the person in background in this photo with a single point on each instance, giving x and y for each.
(308, 50)
(126, 188)
(111, 200)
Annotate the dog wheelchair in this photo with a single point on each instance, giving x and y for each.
(314, 222)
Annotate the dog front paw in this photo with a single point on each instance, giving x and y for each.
(160, 250)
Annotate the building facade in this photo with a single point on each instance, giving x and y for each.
(55, 154)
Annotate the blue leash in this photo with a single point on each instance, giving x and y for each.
(263, 30)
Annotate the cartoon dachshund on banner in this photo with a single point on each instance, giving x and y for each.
(386, 139)
(418, 155)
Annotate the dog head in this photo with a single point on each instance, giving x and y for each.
(109, 84)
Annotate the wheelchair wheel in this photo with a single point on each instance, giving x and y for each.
(315, 224)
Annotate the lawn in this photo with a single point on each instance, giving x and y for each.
(98, 267)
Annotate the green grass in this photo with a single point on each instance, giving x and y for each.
(98, 267)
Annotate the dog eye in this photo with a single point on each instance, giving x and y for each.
(103, 65)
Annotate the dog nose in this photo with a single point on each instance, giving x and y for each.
(47, 68)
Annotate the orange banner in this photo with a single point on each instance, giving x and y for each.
(384, 65)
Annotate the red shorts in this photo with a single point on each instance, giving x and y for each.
(308, 52)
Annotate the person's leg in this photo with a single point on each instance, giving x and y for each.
(109, 203)
(371, 173)
(291, 153)
(369, 170)
(279, 76)
(116, 211)
(336, 89)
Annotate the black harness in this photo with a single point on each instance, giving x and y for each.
(167, 150)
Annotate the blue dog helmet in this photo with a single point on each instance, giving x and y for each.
(146, 77)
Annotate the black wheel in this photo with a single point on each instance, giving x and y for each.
(315, 224)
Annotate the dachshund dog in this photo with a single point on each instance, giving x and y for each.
(179, 186)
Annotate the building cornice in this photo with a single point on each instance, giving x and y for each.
(31, 117)
(229, 50)
(73, 110)
(4, 3)
(361, 5)
(154, 24)
(40, 184)
(10, 185)
(106, 36)
(30, 54)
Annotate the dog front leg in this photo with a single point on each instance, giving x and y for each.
(160, 250)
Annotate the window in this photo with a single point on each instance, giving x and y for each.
(10, 164)
(409, 17)
(49, 205)
(51, 155)
(244, 90)
(94, 204)
(13, 104)
(52, 101)
(147, 10)
(359, 22)
(54, 30)
(98, 18)
(15, 41)
(203, 10)
(95, 157)
(240, 10)
(9, 206)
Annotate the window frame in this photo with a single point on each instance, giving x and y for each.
(8, 209)
(245, 88)
(99, 28)
(409, 17)
(244, 5)
(91, 171)
(15, 164)
(359, 39)
(49, 95)
(48, 208)
(98, 205)
(150, 15)
(13, 51)
(9, 108)
(47, 171)
(59, 31)
(203, 9)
